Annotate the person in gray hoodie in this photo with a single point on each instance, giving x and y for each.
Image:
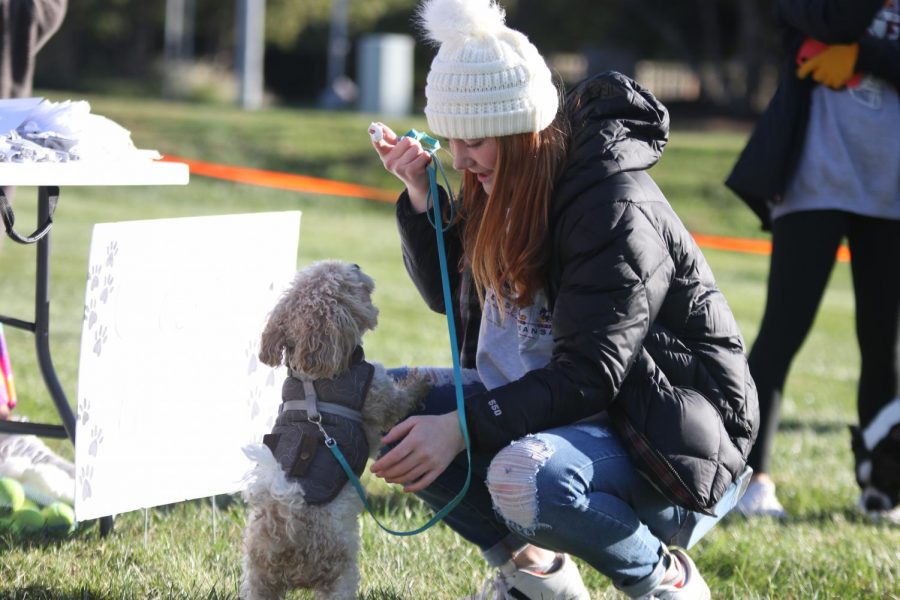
(822, 165)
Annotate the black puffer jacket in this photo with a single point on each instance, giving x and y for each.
(640, 329)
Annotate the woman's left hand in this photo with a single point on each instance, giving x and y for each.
(427, 444)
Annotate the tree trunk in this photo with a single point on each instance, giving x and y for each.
(141, 50)
(714, 81)
(668, 31)
(751, 51)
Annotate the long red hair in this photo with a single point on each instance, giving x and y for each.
(506, 234)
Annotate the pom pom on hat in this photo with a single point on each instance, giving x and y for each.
(449, 21)
(487, 80)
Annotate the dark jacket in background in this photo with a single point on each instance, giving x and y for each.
(640, 329)
(25, 26)
(768, 161)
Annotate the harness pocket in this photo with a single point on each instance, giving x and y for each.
(294, 447)
(306, 451)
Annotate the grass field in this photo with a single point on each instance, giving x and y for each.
(188, 550)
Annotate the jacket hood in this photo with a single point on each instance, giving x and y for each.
(615, 126)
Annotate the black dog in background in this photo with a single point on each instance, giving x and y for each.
(876, 450)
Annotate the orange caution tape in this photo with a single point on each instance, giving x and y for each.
(284, 181)
(749, 246)
(316, 185)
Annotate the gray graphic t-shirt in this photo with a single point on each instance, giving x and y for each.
(851, 156)
(512, 340)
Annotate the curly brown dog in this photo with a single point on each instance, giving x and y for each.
(302, 529)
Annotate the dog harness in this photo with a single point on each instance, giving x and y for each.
(308, 409)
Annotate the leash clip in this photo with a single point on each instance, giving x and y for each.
(429, 144)
(317, 421)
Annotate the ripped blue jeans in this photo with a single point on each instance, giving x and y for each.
(570, 489)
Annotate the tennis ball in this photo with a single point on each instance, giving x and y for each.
(27, 520)
(12, 496)
(29, 503)
(59, 518)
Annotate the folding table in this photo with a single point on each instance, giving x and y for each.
(49, 178)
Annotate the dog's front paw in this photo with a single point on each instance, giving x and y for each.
(415, 387)
(390, 400)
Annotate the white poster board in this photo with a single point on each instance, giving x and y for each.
(169, 384)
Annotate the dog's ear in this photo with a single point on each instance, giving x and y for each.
(272, 342)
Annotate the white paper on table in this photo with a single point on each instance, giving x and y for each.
(14, 111)
(169, 384)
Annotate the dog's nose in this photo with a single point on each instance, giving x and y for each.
(356, 266)
(875, 503)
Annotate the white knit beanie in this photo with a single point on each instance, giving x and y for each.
(487, 80)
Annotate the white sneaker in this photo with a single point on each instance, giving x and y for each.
(760, 501)
(45, 475)
(690, 586)
(511, 583)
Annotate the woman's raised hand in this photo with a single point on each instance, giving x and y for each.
(404, 158)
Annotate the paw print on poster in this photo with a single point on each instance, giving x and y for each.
(100, 338)
(90, 313)
(252, 359)
(84, 414)
(107, 288)
(86, 474)
(254, 402)
(96, 440)
(94, 276)
(111, 250)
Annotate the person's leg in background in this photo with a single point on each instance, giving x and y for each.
(875, 256)
(804, 245)
(875, 253)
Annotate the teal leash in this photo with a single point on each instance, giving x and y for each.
(435, 217)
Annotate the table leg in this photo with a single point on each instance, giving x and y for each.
(47, 199)
(42, 316)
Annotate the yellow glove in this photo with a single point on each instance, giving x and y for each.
(833, 66)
